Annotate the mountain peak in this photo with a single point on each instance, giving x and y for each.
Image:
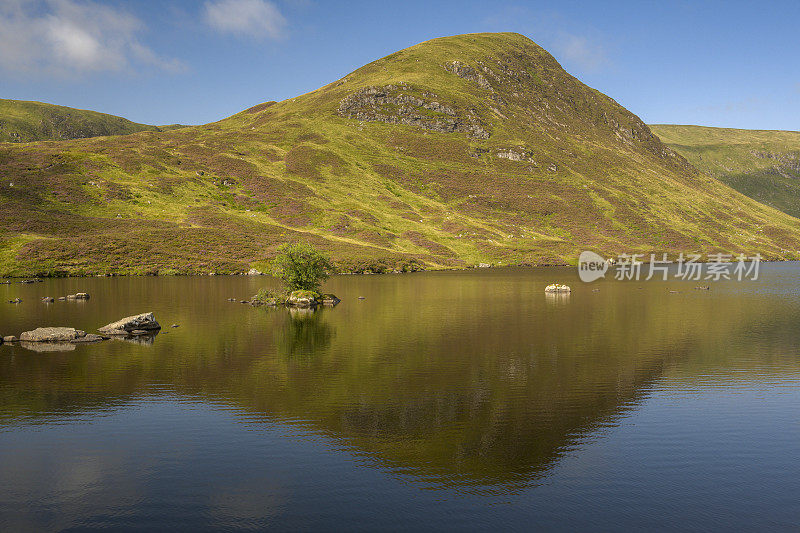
(460, 150)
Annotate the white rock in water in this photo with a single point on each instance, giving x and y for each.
(557, 287)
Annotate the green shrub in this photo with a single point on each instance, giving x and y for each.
(301, 267)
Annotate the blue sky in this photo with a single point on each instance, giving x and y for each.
(732, 64)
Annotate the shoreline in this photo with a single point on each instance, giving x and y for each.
(39, 278)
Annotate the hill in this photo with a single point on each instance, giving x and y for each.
(764, 165)
(35, 121)
(461, 150)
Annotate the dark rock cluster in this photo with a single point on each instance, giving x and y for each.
(397, 104)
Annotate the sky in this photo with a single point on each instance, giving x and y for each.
(730, 64)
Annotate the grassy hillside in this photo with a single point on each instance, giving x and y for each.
(34, 121)
(460, 150)
(764, 165)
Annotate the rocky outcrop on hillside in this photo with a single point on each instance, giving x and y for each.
(398, 104)
(787, 164)
(468, 73)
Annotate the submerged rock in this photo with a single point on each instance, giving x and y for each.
(124, 326)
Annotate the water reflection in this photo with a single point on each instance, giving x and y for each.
(306, 333)
(457, 380)
(147, 339)
(42, 347)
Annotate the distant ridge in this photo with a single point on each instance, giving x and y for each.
(762, 164)
(22, 121)
(461, 150)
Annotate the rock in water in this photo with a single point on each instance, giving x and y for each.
(48, 299)
(145, 321)
(303, 299)
(557, 287)
(10, 339)
(330, 299)
(52, 335)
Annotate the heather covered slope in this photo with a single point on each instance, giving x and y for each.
(764, 165)
(35, 121)
(460, 150)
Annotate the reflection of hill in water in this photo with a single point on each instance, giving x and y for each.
(483, 394)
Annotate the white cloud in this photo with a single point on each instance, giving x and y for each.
(251, 18)
(69, 37)
(587, 55)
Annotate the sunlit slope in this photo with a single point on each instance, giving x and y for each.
(35, 121)
(460, 150)
(764, 165)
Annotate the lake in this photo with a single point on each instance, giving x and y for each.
(442, 400)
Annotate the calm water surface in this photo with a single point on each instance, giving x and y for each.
(454, 400)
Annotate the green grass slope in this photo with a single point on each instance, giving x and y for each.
(764, 165)
(457, 151)
(35, 121)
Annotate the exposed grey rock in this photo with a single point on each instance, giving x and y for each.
(48, 299)
(90, 337)
(145, 321)
(52, 335)
(15, 301)
(468, 73)
(397, 104)
(330, 300)
(304, 299)
(10, 339)
(78, 296)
